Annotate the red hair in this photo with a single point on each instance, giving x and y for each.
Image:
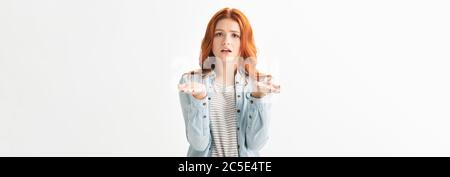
(247, 48)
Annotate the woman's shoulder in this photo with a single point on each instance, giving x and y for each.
(192, 72)
(196, 75)
(196, 72)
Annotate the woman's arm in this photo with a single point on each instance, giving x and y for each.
(196, 119)
(258, 115)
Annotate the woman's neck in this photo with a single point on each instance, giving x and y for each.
(225, 72)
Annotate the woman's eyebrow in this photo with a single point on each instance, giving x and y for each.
(234, 31)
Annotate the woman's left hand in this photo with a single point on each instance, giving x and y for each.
(262, 88)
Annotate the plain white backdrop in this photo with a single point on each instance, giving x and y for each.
(98, 77)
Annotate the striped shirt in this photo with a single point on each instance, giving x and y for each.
(223, 122)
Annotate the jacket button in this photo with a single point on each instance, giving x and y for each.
(209, 98)
(204, 104)
(204, 116)
(239, 96)
(237, 82)
(238, 128)
(238, 111)
(251, 101)
(250, 116)
(239, 146)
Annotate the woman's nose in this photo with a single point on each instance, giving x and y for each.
(226, 41)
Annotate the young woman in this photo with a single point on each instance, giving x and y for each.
(226, 104)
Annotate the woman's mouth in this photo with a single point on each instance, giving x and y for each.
(225, 51)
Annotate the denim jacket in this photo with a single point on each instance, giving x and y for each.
(252, 117)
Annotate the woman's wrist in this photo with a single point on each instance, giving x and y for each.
(258, 94)
(199, 95)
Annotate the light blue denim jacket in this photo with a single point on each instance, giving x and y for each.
(252, 117)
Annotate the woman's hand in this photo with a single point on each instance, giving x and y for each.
(263, 88)
(197, 90)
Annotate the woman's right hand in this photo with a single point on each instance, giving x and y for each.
(197, 90)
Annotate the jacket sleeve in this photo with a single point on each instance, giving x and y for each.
(196, 119)
(257, 121)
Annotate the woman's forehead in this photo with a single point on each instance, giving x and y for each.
(227, 25)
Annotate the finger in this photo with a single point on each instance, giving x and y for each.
(181, 87)
(185, 90)
(275, 88)
(264, 88)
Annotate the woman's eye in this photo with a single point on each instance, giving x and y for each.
(236, 36)
(218, 34)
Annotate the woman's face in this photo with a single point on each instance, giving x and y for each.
(227, 40)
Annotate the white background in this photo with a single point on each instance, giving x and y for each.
(98, 77)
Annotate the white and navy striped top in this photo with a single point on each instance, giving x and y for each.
(223, 122)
